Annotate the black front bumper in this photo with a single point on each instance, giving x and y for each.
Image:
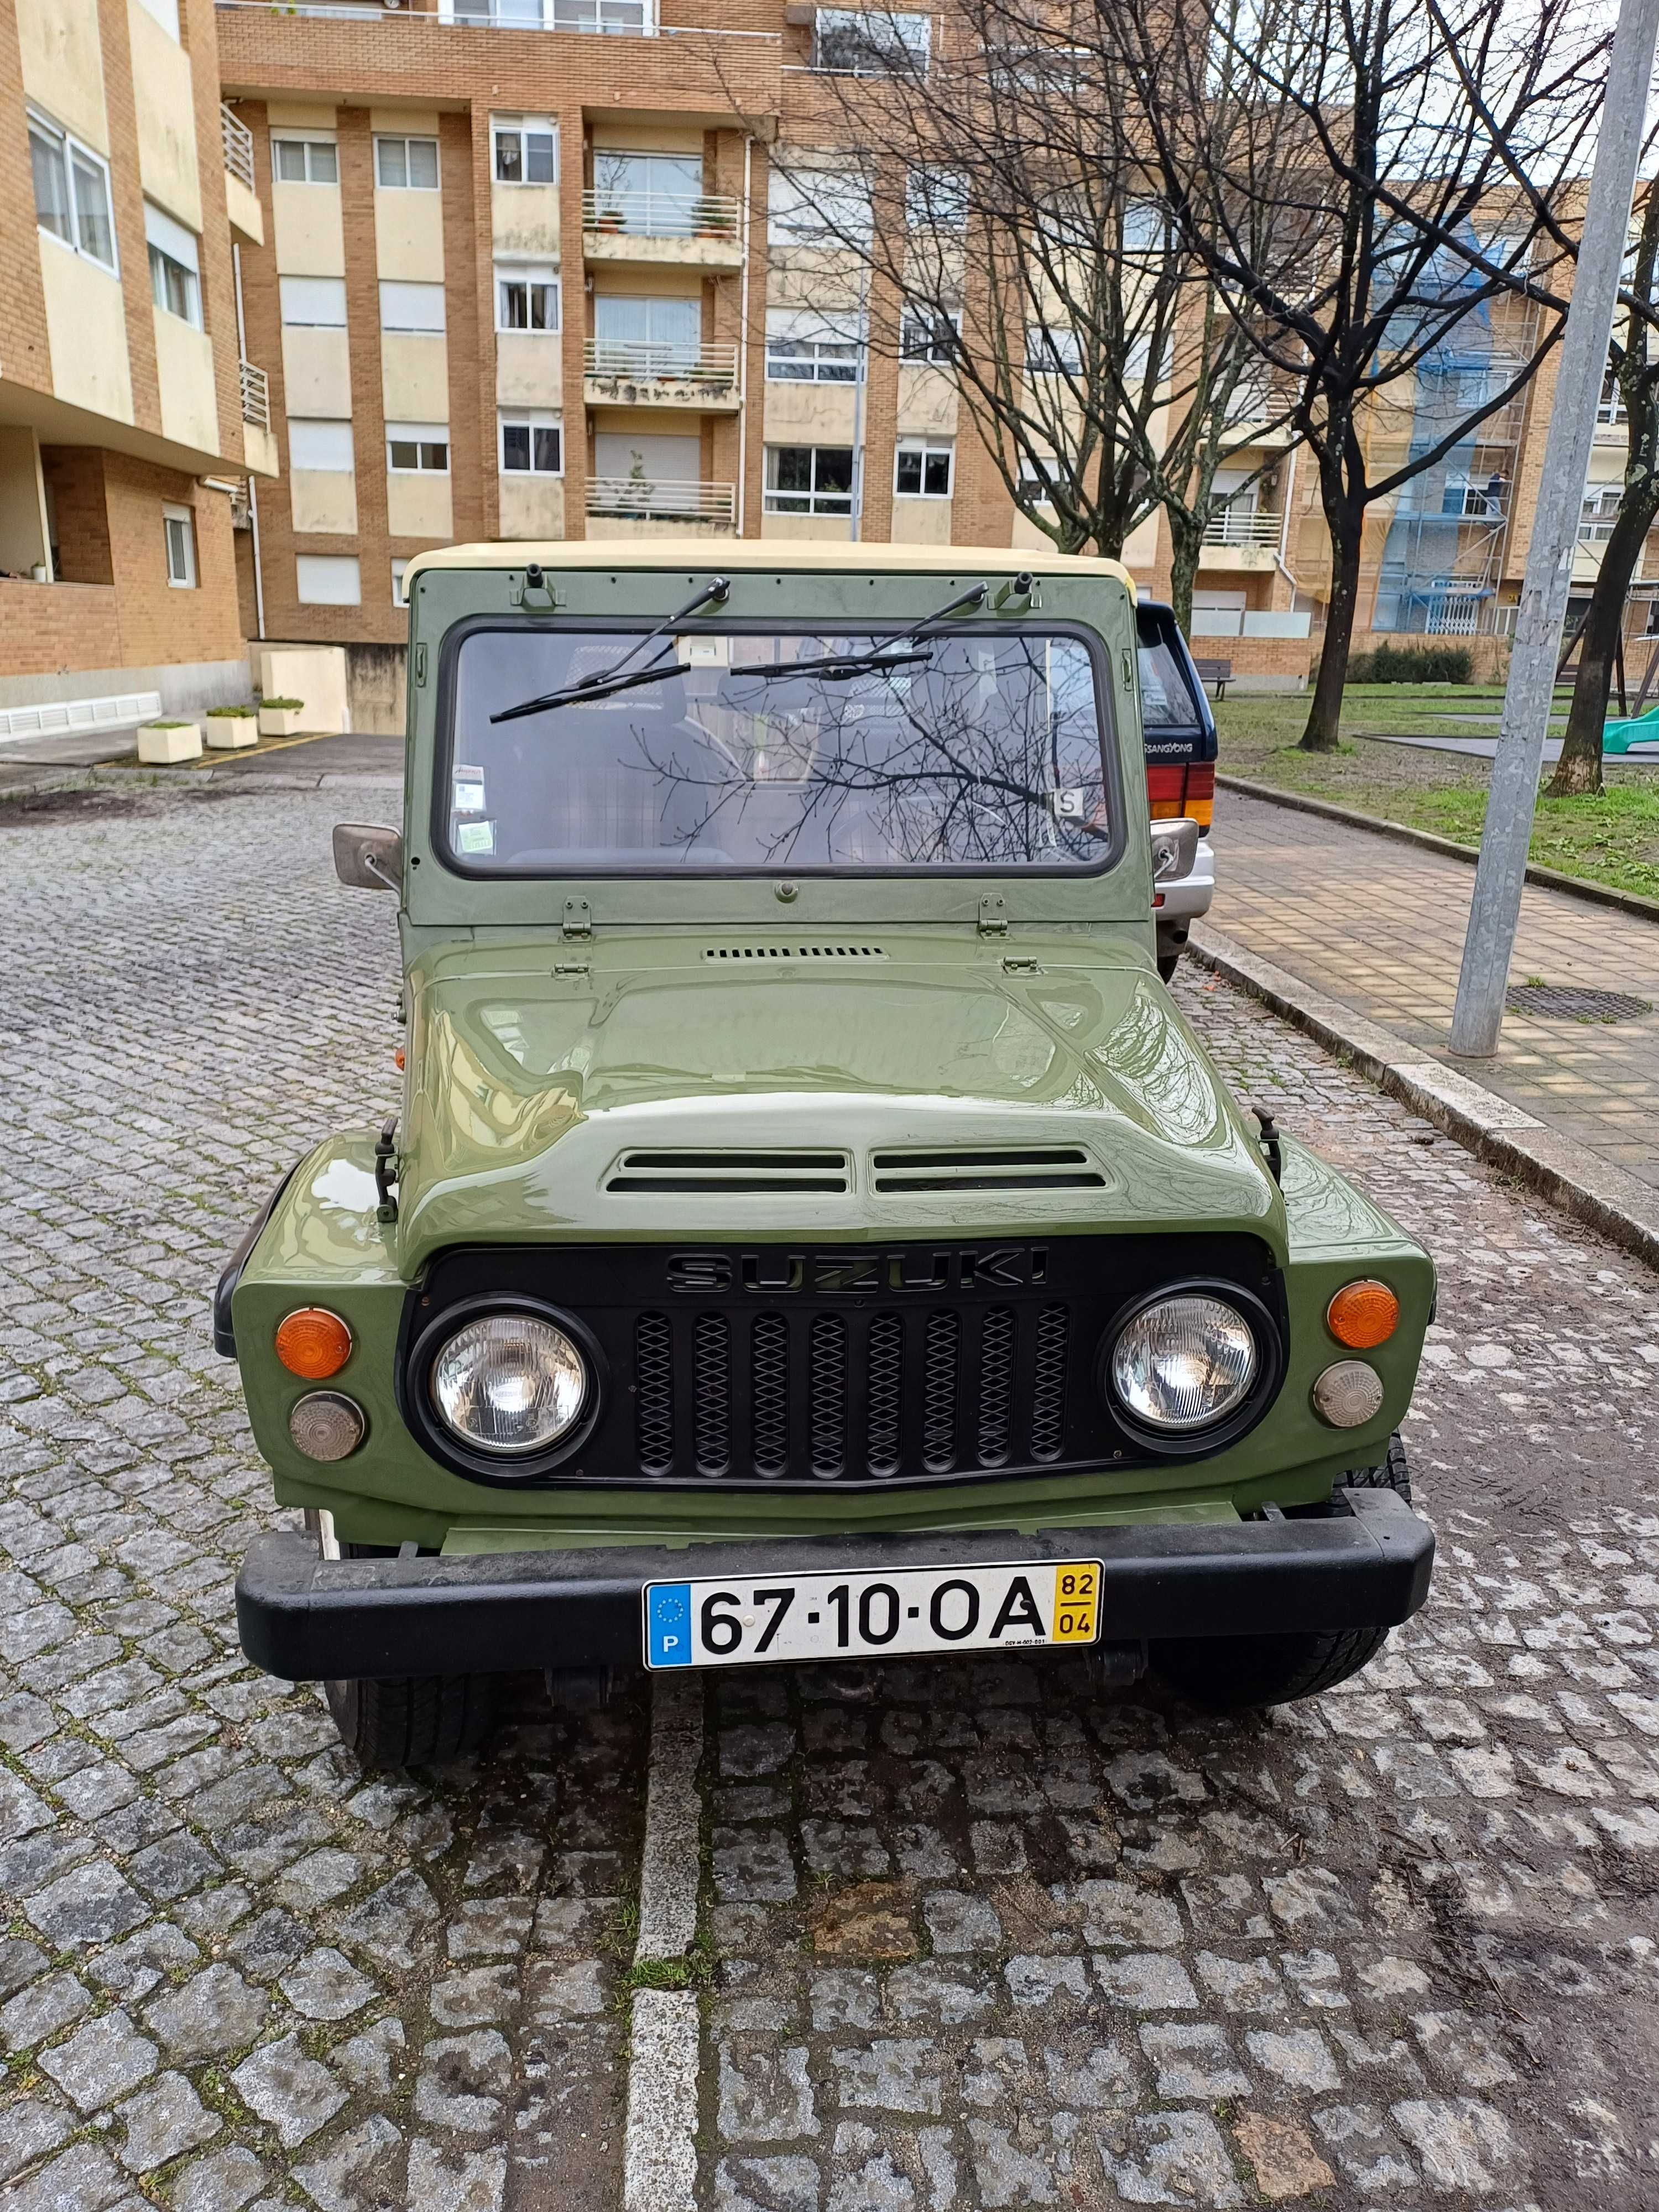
(310, 1619)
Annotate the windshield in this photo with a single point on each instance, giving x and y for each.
(977, 749)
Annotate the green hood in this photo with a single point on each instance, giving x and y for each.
(533, 1067)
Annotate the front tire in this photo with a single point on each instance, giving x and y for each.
(1229, 1674)
(419, 1720)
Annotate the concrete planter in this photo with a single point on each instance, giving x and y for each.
(280, 721)
(228, 733)
(163, 744)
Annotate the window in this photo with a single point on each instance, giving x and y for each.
(413, 307)
(805, 345)
(400, 589)
(1601, 511)
(936, 199)
(165, 13)
(527, 151)
(71, 191)
(305, 160)
(417, 448)
(1037, 473)
(531, 444)
(317, 303)
(809, 479)
(660, 194)
(874, 42)
(179, 529)
(526, 296)
(646, 335)
(817, 207)
(406, 164)
(175, 280)
(1051, 349)
(927, 336)
(921, 469)
(318, 445)
(328, 579)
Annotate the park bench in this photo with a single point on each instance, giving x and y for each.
(1217, 674)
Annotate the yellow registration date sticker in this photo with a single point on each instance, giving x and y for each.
(1077, 1601)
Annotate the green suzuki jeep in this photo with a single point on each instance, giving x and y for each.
(809, 1232)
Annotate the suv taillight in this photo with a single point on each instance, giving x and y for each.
(1184, 787)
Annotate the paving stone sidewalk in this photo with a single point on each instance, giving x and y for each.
(1379, 925)
(233, 1969)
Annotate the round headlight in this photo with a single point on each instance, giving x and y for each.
(1183, 1363)
(509, 1382)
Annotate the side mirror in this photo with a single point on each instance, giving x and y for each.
(1174, 849)
(368, 858)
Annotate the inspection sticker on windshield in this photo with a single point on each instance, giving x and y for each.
(469, 790)
(767, 1619)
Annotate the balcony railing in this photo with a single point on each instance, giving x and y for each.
(1243, 525)
(641, 500)
(256, 395)
(239, 145)
(662, 215)
(639, 362)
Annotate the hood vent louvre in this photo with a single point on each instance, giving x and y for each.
(793, 953)
(1023, 1167)
(734, 1174)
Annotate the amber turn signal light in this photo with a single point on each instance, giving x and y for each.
(1363, 1315)
(313, 1343)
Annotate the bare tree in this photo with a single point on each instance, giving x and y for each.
(1007, 229)
(1384, 176)
(1633, 382)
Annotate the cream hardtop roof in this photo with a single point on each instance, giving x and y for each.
(792, 556)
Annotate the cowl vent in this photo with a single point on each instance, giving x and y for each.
(793, 953)
(735, 1174)
(1026, 1167)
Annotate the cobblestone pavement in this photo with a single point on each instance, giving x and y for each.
(234, 1970)
(1379, 925)
(976, 1938)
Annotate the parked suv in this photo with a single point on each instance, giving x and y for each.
(1180, 756)
(809, 1230)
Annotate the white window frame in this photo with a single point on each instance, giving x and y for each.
(308, 139)
(333, 427)
(177, 251)
(399, 586)
(926, 449)
(818, 502)
(417, 435)
(180, 549)
(936, 200)
(919, 337)
(70, 151)
(406, 139)
(531, 419)
(1032, 487)
(1053, 349)
(883, 42)
(165, 13)
(290, 290)
(796, 198)
(528, 273)
(818, 340)
(521, 127)
(431, 294)
(334, 564)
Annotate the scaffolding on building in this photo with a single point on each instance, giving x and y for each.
(1444, 557)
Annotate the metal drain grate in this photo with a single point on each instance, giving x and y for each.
(1570, 1002)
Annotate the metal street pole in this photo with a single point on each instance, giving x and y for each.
(1513, 798)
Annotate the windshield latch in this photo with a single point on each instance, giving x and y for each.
(385, 1170)
(578, 917)
(992, 915)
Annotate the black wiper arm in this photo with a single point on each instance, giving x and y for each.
(603, 681)
(879, 656)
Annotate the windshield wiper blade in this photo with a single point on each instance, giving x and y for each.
(603, 681)
(844, 664)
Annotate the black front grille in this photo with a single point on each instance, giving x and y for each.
(801, 1367)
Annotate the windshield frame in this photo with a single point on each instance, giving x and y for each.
(1112, 848)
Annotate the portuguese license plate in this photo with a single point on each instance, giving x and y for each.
(767, 1619)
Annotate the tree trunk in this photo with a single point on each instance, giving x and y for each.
(1578, 771)
(1186, 544)
(1346, 523)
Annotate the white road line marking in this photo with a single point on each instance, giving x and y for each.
(671, 1864)
(659, 2158)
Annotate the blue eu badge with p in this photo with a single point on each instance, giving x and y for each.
(668, 1625)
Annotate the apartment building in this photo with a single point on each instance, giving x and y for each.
(131, 420)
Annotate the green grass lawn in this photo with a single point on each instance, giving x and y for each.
(1611, 839)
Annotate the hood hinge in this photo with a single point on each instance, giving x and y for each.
(992, 915)
(578, 917)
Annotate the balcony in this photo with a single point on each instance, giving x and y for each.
(242, 193)
(1241, 538)
(628, 372)
(701, 510)
(664, 230)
